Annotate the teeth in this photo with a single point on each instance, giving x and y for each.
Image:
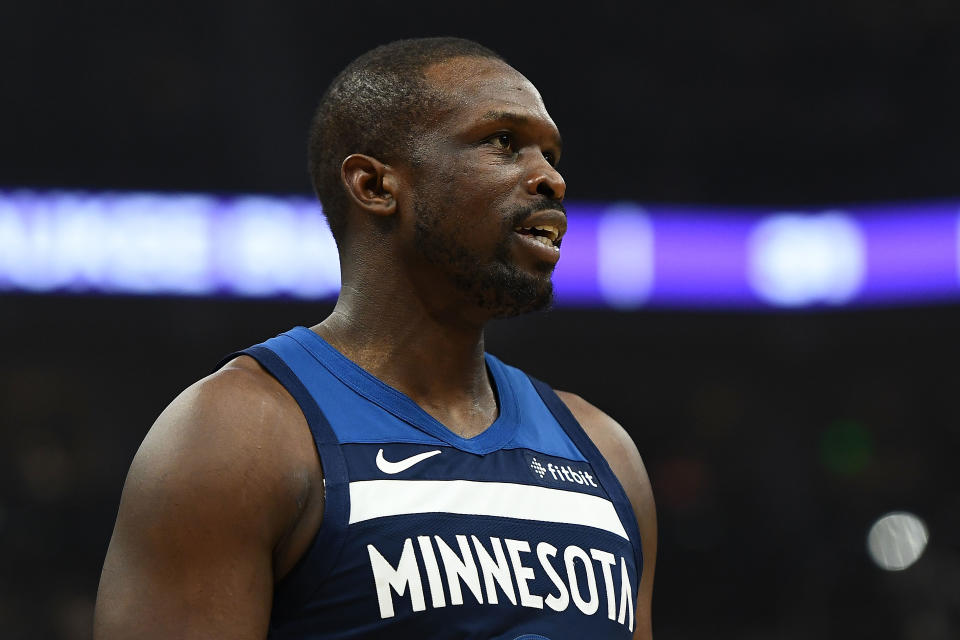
(545, 241)
(549, 229)
(549, 240)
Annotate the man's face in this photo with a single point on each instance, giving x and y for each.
(486, 193)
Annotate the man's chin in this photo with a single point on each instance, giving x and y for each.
(516, 293)
(540, 304)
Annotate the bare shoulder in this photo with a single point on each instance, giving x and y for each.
(238, 423)
(620, 452)
(217, 490)
(235, 433)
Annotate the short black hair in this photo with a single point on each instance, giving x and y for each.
(376, 106)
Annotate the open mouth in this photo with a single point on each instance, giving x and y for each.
(545, 234)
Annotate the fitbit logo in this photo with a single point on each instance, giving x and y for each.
(569, 474)
(538, 468)
(562, 473)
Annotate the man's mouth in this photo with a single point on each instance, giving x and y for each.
(546, 234)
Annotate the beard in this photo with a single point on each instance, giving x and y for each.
(493, 283)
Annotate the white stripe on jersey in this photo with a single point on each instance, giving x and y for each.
(379, 498)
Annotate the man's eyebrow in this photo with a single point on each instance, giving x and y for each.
(505, 115)
(516, 118)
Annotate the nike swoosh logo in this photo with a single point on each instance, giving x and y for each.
(402, 465)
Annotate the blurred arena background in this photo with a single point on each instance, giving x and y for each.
(764, 287)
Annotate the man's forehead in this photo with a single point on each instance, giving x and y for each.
(487, 84)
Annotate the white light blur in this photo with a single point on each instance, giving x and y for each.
(135, 243)
(149, 244)
(796, 260)
(897, 540)
(625, 256)
(271, 246)
(179, 244)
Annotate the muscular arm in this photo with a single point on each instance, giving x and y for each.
(624, 459)
(210, 504)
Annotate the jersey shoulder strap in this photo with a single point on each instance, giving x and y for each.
(605, 474)
(286, 361)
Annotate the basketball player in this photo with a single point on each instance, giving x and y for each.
(379, 475)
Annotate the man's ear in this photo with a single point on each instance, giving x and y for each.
(370, 183)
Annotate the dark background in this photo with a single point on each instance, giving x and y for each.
(773, 440)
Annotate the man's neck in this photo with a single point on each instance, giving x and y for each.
(430, 355)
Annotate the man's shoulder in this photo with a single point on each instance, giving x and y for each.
(243, 383)
(214, 506)
(605, 432)
(237, 425)
(240, 401)
(614, 443)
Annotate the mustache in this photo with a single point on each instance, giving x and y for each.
(521, 214)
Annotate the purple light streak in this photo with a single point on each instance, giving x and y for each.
(257, 246)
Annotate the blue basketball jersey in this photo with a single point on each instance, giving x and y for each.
(521, 532)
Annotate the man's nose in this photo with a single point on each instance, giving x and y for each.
(545, 180)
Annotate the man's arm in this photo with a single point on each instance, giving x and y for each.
(212, 499)
(624, 459)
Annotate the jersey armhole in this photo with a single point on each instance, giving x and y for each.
(607, 478)
(308, 574)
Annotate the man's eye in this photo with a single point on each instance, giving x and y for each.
(502, 141)
(550, 158)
